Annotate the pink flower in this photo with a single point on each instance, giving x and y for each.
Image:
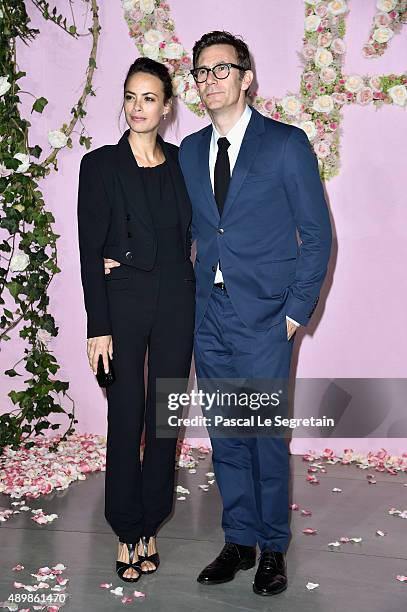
(325, 39)
(321, 10)
(276, 116)
(308, 51)
(270, 106)
(322, 148)
(369, 51)
(364, 96)
(309, 77)
(333, 126)
(383, 19)
(339, 98)
(338, 46)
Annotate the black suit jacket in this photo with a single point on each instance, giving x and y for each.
(114, 221)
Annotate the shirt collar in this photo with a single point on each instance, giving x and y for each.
(237, 132)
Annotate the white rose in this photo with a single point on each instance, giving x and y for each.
(19, 261)
(173, 51)
(24, 162)
(386, 5)
(382, 35)
(178, 85)
(147, 6)
(192, 96)
(128, 5)
(323, 104)
(153, 37)
(291, 105)
(151, 51)
(309, 128)
(57, 139)
(337, 7)
(323, 57)
(43, 336)
(312, 23)
(398, 94)
(354, 83)
(328, 75)
(4, 85)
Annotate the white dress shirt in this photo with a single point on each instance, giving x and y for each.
(235, 137)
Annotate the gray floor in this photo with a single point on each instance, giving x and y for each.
(354, 578)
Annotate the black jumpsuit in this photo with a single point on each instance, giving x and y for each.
(151, 310)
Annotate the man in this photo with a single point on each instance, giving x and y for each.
(253, 183)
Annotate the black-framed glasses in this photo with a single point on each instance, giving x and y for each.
(220, 71)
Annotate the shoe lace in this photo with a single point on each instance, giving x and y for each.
(268, 559)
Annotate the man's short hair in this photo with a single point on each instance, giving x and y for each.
(218, 37)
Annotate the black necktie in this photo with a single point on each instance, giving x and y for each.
(222, 173)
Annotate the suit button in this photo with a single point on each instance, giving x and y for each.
(129, 234)
(127, 217)
(213, 268)
(221, 231)
(129, 255)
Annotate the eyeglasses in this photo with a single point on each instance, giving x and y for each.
(220, 71)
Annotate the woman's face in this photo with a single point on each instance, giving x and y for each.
(144, 102)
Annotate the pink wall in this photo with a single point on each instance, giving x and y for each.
(362, 332)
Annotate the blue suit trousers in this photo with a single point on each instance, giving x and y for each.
(252, 473)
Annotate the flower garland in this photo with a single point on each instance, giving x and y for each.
(28, 250)
(388, 21)
(324, 90)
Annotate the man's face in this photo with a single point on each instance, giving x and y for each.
(219, 94)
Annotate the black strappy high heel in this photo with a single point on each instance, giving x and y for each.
(154, 558)
(121, 566)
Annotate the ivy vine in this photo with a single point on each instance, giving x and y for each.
(28, 244)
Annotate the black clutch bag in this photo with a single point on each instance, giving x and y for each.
(105, 380)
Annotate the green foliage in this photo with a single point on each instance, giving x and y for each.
(29, 245)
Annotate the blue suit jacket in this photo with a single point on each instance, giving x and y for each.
(275, 189)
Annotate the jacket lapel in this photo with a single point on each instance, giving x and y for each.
(247, 154)
(204, 168)
(131, 182)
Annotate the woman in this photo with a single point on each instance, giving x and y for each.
(133, 207)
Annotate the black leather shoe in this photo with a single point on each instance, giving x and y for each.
(232, 558)
(271, 575)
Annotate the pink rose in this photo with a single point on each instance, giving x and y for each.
(321, 10)
(383, 19)
(276, 116)
(309, 51)
(338, 46)
(328, 75)
(339, 98)
(375, 83)
(324, 39)
(309, 77)
(322, 148)
(364, 96)
(270, 106)
(135, 15)
(369, 51)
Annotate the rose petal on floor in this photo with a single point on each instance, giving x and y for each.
(312, 585)
(309, 531)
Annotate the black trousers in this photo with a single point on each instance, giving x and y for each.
(155, 311)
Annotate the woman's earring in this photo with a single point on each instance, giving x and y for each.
(165, 116)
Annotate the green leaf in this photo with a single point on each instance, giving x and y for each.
(12, 372)
(39, 105)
